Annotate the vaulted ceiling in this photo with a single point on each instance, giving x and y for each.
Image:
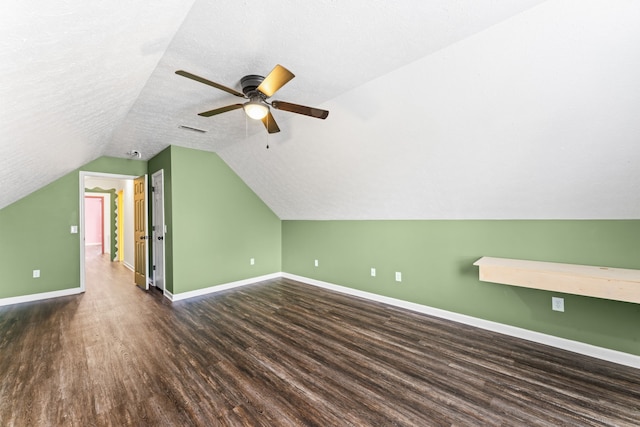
(445, 109)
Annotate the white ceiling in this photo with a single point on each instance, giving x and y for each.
(441, 109)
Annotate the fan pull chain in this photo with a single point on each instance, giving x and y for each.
(267, 132)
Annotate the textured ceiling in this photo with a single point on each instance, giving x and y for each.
(440, 109)
(69, 73)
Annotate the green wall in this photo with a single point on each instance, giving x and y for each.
(35, 233)
(217, 223)
(436, 257)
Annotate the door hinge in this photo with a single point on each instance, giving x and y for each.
(153, 188)
(154, 268)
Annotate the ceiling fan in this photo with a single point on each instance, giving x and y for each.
(257, 90)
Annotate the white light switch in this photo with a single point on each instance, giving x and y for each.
(316, 263)
(74, 229)
(373, 272)
(252, 261)
(36, 274)
(398, 276)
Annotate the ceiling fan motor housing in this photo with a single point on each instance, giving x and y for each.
(250, 85)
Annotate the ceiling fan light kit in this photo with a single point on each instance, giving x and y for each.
(256, 109)
(257, 89)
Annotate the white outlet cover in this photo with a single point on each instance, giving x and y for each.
(398, 276)
(74, 229)
(557, 303)
(316, 263)
(252, 261)
(36, 274)
(373, 272)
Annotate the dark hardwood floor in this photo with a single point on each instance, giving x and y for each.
(282, 353)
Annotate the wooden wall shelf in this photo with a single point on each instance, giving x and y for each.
(600, 282)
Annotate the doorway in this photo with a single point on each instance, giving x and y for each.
(118, 221)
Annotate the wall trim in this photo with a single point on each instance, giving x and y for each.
(40, 296)
(222, 287)
(602, 353)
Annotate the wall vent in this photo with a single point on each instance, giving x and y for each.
(193, 129)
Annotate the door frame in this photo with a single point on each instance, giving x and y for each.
(81, 228)
(159, 175)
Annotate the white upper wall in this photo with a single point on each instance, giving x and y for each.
(536, 117)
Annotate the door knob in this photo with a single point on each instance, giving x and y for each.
(160, 238)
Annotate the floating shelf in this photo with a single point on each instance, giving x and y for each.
(600, 282)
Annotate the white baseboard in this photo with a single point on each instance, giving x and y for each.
(562, 343)
(129, 266)
(40, 296)
(222, 287)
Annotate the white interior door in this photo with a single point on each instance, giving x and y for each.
(158, 229)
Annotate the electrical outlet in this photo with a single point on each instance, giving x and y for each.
(398, 276)
(252, 261)
(557, 304)
(373, 272)
(315, 263)
(36, 274)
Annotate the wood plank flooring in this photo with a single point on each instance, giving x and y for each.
(282, 353)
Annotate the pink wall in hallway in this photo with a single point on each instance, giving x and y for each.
(93, 214)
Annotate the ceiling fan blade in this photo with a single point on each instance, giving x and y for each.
(220, 110)
(270, 123)
(300, 109)
(209, 82)
(277, 78)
